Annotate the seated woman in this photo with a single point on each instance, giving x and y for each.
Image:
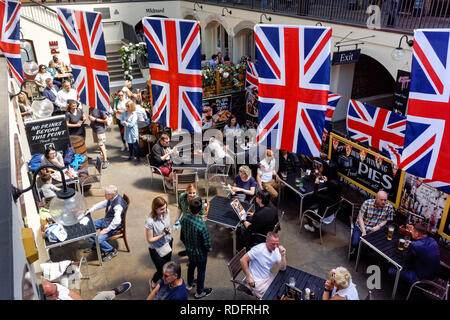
(322, 199)
(25, 108)
(51, 157)
(244, 185)
(41, 76)
(339, 286)
(232, 127)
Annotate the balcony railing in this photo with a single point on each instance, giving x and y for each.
(393, 15)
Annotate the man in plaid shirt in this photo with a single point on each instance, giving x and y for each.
(198, 244)
(374, 215)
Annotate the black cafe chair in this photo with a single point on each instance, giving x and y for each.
(235, 269)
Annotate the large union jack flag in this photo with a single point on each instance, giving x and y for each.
(9, 42)
(251, 77)
(175, 69)
(427, 142)
(85, 42)
(333, 100)
(377, 127)
(294, 76)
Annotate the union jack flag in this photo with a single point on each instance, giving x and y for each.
(175, 68)
(294, 77)
(333, 100)
(251, 77)
(85, 42)
(377, 127)
(442, 186)
(427, 142)
(9, 42)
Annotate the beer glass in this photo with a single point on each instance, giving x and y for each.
(406, 242)
(283, 175)
(390, 232)
(401, 244)
(297, 181)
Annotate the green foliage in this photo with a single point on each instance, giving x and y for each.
(128, 54)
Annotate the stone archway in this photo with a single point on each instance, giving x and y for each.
(216, 38)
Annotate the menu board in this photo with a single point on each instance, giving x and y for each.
(251, 108)
(365, 168)
(48, 132)
(216, 111)
(420, 199)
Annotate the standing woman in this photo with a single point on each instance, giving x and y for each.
(119, 110)
(25, 108)
(158, 235)
(131, 132)
(75, 119)
(127, 89)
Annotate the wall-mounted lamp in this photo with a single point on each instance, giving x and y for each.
(30, 67)
(319, 24)
(199, 5)
(265, 16)
(41, 106)
(227, 10)
(67, 208)
(398, 53)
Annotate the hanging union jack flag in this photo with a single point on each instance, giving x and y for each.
(427, 142)
(85, 42)
(251, 77)
(333, 100)
(294, 77)
(377, 127)
(175, 69)
(9, 42)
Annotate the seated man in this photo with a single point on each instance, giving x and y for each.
(65, 94)
(421, 259)
(50, 92)
(55, 291)
(171, 286)
(161, 158)
(289, 162)
(262, 221)
(265, 174)
(244, 184)
(320, 200)
(112, 222)
(374, 215)
(256, 264)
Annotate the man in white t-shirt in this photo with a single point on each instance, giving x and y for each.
(65, 94)
(256, 263)
(265, 173)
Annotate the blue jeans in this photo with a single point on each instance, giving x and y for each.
(357, 233)
(104, 245)
(133, 148)
(201, 273)
(405, 275)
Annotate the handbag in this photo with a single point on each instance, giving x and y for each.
(164, 250)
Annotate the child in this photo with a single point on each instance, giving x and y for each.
(48, 189)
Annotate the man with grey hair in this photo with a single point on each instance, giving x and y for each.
(171, 286)
(373, 215)
(50, 92)
(115, 207)
(65, 94)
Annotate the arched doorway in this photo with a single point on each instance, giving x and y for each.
(244, 44)
(216, 40)
(138, 27)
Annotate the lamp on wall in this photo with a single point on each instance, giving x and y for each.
(41, 106)
(223, 13)
(265, 16)
(67, 208)
(398, 53)
(319, 24)
(196, 4)
(29, 67)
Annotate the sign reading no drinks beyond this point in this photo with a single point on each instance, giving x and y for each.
(48, 132)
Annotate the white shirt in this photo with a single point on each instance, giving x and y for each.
(63, 96)
(267, 171)
(125, 91)
(141, 113)
(63, 292)
(232, 130)
(261, 261)
(350, 292)
(117, 220)
(121, 106)
(48, 190)
(41, 77)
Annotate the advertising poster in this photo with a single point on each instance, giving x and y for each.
(216, 111)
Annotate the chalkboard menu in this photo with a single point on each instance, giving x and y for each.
(401, 91)
(366, 168)
(216, 111)
(48, 132)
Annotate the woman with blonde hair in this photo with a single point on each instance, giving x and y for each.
(131, 131)
(127, 89)
(244, 184)
(25, 108)
(339, 286)
(159, 237)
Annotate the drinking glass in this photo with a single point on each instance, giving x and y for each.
(401, 244)
(292, 281)
(390, 232)
(297, 181)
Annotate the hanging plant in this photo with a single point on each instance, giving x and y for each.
(128, 54)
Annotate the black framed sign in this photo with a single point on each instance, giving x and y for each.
(48, 132)
(365, 168)
(344, 57)
(401, 91)
(216, 111)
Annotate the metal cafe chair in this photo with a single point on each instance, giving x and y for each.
(235, 268)
(216, 173)
(155, 170)
(328, 217)
(437, 288)
(92, 178)
(182, 180)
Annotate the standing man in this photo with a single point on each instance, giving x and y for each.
(171, 286)
(198, 244)
(374, 215)
(50, 92)
(115, 207)
(256, 263)
(265, 174)
(99, 120)
(65, 94)
(422, 257)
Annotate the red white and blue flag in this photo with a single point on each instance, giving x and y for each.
(251, 77)
(85, 42)
(175, 69)
(294, 77)
(10, 37)
(427, 143)
(333, 100)
(377, 127)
